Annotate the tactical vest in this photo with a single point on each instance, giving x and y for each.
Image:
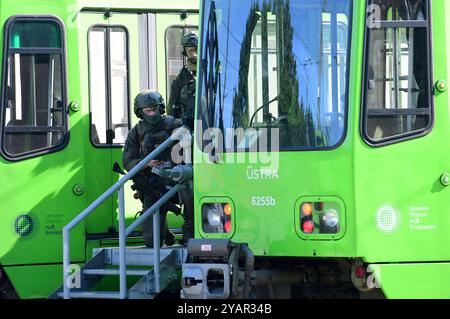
(187, 94)
(187, 100)
(149, 141)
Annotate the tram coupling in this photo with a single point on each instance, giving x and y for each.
(217, 269)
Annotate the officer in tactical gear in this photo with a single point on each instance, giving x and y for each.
(153, 129)
(182, 92)
(181, 105)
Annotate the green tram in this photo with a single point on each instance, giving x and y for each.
(323, 132)
(70, 72)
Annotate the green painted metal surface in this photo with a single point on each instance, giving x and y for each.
(414, 281)
(40, 195)
(35, 281)
(404, 179)
(400, 182)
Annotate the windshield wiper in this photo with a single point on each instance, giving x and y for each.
(211, 71)
(269, 117)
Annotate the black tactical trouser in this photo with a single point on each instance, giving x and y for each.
(188, 226)
(147, 224)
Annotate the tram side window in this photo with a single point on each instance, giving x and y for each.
(174, 57)
(108, 80)
(34, 116)
(398, 81)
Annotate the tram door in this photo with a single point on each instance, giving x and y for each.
(124, 54)
(40, 165)
(109, 60)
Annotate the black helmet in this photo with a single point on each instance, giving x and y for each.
(189, 40)
(148, 99)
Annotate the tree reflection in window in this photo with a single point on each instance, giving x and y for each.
(278, 73)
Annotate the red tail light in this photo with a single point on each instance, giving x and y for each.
(308, 227)
(360, 272)
(227, 226)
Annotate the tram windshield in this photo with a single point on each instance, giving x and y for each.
(277, 68)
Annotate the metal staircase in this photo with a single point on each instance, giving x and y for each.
(139, 262)
(155, 267)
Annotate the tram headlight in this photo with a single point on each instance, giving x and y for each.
(217, 218)
(331, 218)
(214, 217)
(319, 217)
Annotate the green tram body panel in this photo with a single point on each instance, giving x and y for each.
(404, 175)
(410, 258)
(42, 187)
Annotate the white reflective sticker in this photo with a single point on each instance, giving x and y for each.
(206, 248)
(388, 219)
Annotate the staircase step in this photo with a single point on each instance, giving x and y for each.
(115, 272)
(92, 295)
(139, 290)
(145, 288)
(136, 256)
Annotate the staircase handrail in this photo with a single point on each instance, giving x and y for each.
(119, 186)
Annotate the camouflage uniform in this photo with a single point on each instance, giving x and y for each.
(141, 141)
(182, 105)
(182, 97)
(182, 100)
